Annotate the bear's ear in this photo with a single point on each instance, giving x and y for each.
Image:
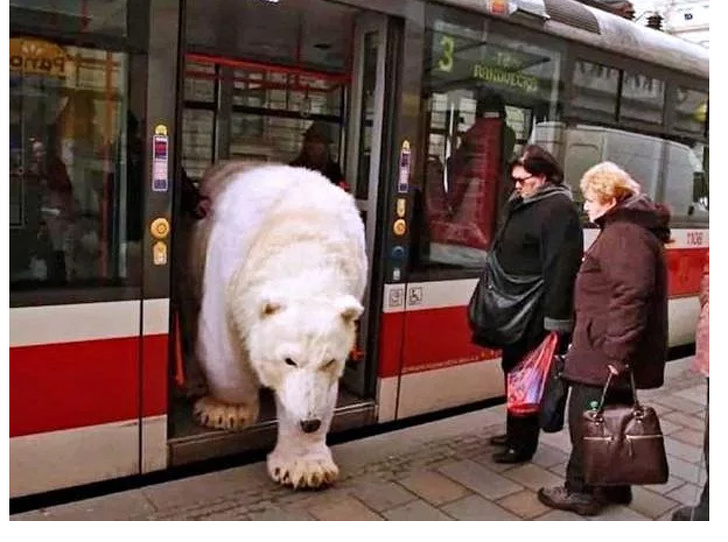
(269, 306)
(349, 308)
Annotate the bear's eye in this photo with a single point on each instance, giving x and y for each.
(329, 364)
(290, 362)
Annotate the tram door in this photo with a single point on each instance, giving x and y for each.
(365, 138)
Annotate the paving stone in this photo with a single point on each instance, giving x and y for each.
(673, 482)
(524, 504)
(668, 427)
(659, 409)
(680, 418)
(344, 509)
(476, 508)
(690, 472)
(679, 404)
(434, 487)
(667, 516)
(650, 504)
(383, 495)
(417, 510)
(618, 513)
(534, 477)
(686, 494)
(697, 394)
(479, 479)
(688, 452)
(560, 440)
(113, 507)
(208, 488)
(282, 514)
(560, 515)
(547, 456)
(486, 459)
(560, 469)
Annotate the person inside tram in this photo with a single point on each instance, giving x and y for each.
(56, 207)
(315, 153)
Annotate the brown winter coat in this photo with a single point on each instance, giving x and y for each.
(621, 298)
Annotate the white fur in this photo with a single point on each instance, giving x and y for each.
(284, 274)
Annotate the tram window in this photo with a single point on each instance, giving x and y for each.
(198, 129)
(200, 82)
(596, 88)
(691, 108)
(315, 34)
(76, 166)
(97, 16)
(643, 98)
(308, 95)
(483, 92)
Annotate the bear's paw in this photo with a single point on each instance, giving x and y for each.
(210, 412)
(315, 471)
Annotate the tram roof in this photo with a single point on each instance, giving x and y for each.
(573, 20)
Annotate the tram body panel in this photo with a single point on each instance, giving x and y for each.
(80, 396)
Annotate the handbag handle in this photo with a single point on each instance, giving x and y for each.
(636, 404)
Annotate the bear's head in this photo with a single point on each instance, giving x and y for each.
(298, 347)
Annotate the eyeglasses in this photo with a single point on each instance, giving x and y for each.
(517, 180)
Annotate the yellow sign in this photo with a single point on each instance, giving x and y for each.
(33, 56)
(159, 253)
(160, 129)
(399, 227)
(159, 228)
(701, 112)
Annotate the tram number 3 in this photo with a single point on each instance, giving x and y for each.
(446, 60)
(695, 238)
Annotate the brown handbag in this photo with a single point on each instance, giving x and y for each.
(623, 445)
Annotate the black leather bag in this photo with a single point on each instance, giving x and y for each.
(553, 402)
(502, 305)
(623, 444)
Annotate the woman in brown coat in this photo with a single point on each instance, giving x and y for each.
(620, 302)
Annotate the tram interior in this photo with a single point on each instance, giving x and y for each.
(252, 94)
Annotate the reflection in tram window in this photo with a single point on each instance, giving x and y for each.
(643, 98)
(482, 94)
(68, 167)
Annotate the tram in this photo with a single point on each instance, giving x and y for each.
(114, 106)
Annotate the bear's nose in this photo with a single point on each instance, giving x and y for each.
(309, 426)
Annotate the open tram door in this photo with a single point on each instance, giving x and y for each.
(366, 154)
(255, 96)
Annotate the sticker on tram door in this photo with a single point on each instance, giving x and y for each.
(404, 168)
(159, 253)
(160, 159)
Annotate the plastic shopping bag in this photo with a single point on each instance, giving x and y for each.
(525, 383)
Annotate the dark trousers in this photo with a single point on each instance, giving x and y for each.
(522, 431)
(579, 400)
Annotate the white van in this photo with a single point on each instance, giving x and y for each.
(657, 164)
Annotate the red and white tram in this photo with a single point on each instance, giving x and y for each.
(112, 103)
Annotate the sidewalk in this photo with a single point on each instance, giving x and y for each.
(437, 471)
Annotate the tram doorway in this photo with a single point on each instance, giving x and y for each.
(254, 93)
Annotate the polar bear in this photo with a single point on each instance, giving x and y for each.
(279, 269)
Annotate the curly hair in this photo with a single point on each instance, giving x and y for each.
(607, 180)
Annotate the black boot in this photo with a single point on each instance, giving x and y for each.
(511, 455)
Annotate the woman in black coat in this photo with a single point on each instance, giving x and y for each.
(541, 235)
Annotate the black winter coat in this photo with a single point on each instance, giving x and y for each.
(542, 234)
(621, 298)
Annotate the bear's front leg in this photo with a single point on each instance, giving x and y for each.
(300, 459)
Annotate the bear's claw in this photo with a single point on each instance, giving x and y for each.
(309, 472)
(217, 415)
